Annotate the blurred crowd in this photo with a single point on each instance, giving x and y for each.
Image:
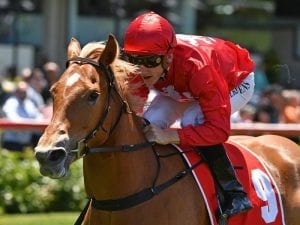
(25, 96)
(271, 103)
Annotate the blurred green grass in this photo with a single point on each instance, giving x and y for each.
(40, 218)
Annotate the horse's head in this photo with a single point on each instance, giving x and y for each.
(80, 106)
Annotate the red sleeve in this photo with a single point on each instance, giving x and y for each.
(211, 90)
(235, 63)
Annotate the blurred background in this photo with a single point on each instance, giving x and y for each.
(34, 35)
(35, 31)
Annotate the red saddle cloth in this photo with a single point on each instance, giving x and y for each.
(256, 180)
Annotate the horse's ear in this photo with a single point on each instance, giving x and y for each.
(110, 51)
(74, 48)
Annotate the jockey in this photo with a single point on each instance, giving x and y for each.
(198, 81)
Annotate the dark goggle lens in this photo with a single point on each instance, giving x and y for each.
(147, 61)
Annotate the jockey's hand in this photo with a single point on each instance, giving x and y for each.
(154, 133)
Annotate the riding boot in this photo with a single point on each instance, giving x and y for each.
(235, 199)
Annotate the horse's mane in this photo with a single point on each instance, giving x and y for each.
(124, 72)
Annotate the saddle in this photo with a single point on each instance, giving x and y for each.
(255, 179)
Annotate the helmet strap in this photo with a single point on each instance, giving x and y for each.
(166, 62)
(164, 74)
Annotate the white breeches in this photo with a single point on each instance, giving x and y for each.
(164, 111)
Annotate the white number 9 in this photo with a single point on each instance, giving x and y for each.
(265, 192)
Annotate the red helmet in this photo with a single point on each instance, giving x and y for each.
(149, 34)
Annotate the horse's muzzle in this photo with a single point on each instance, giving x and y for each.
(52, 162)
(54, 156)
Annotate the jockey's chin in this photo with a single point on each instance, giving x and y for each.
(151, 75)
(149, 81)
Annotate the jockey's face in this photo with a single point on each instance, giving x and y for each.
(151, 67)
(151, 75)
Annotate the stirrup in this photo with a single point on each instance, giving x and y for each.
(238, 204)
(223, 219)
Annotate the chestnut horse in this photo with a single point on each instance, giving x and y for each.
(132, 181)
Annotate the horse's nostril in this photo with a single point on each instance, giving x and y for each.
(57, 155)
(41, 156)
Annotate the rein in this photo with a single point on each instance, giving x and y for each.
(83, 149)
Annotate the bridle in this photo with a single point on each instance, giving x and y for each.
(82, 150)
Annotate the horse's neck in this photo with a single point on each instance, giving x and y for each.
(120, 173)
(129, 130)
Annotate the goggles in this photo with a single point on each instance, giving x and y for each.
(147, 61)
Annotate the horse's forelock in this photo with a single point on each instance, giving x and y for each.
(92, 49)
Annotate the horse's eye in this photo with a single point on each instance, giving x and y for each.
(93, 97)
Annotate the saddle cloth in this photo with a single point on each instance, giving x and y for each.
(256, 180)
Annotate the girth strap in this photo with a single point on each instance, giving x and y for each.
(134, 199)
(137, 198)
(142, 196)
